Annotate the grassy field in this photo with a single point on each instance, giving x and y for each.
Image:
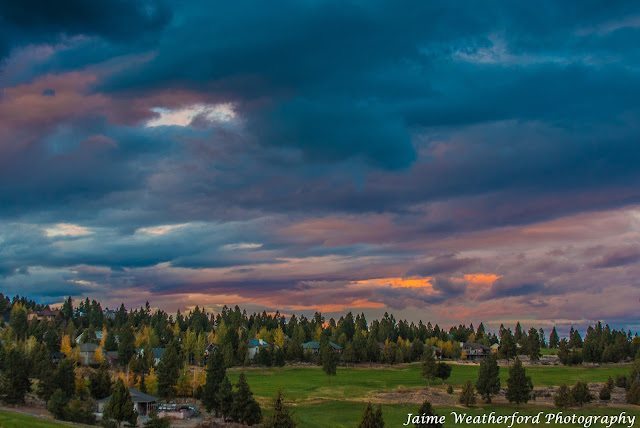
(310, 384)
(341, 405)
(342, 414)
(16, 420)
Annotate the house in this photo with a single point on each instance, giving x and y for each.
(437, 352)
(98, 337)
(314, 346)
(56, 357)
(254, 347)
(475, 351)
(46, 315)
(210, 348)
(157, 354)
(109, 314)
(111, 357)
(87, 352)
(142, 403)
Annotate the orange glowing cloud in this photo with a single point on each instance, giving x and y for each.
(415, 282)
(482, 278)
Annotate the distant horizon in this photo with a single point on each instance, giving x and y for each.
(525, 324)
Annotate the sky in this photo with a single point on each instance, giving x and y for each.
(447, 161)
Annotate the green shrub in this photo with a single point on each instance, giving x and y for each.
(605, 393)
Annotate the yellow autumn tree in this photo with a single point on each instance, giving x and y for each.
(81, 386)
(98, 355)
(127, 378)
(65, 346)
(185, 383)
(317, 335)
(151, 382)
(142, 338)
(278, 337)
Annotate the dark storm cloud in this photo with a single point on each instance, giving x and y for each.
(40, 21)
(446, 263)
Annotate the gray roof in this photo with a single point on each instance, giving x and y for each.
(136, 397)
(88, 347)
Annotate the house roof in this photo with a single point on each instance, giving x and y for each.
(314, 344)
(88, 347)
(473, 345)
(253, 343)
(46, 313)
(136, 397)
(58, 355)
(157, 352)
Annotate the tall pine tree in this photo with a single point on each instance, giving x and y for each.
(169, 370)
(519, 385)
(119, 408)
(216, 372)
(488, 382)
(281, 417)
(427, 410)
(245, 408)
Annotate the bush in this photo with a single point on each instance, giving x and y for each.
(633, 393)
(450, 389)
(621, 381)
(468, 394)
(581, 394)
(610, 384)
(563, 397)
(81, 410)
(57, 404)
(605, 393)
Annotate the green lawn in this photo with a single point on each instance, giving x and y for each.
(342, 414)
(303, 384)
(17, 420)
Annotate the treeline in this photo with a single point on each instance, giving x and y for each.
(384, 340)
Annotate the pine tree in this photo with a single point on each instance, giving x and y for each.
(225, 397)
(508, 347)
(15, 380)
(427, 410)
(429, 365)
(57, 404)
(169, 371)
(215, 374)
(65, 377)
(488, 382)
(329, 360)
(468, 394)
(443, 371)
(371, 418)
(519, 335)
(533, 344)
(519, 385)
(100, 382)
(110, 343)
(245, 408)
(554, 340)
(126, 347)
(120, 407)
(563, 397)
(281, 417)
(581, 394)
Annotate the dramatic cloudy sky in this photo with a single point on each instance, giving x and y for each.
(451, 161)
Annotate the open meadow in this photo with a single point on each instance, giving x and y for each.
(316, 404)
(355, 383)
